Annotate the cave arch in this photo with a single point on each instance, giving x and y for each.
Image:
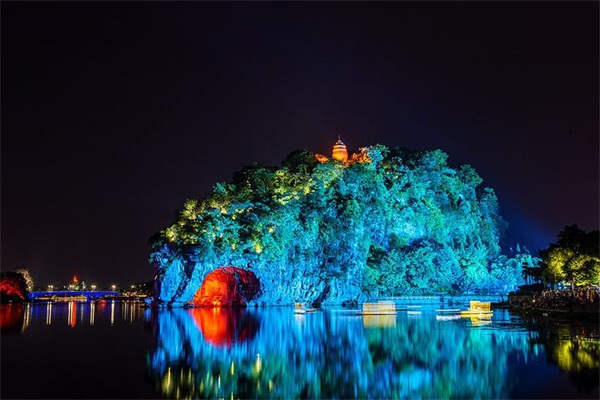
(227, 287)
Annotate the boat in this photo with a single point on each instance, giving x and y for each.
(379, 308)
(447, 317)
(445, 311)
(479, 309)
(300, 309)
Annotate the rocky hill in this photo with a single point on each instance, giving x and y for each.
(383, 221)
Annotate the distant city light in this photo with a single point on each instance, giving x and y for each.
(50, 288)
(113, 287)
(93, 287)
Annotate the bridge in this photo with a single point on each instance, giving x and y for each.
(90, 295)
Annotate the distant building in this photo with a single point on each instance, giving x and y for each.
(75, 284)
(340, 152)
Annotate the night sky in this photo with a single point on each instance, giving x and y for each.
(113, 114)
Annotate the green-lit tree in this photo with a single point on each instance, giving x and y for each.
(574, 258)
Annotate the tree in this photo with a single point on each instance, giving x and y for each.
(574, 258)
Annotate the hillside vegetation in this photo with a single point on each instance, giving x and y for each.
(389, 222)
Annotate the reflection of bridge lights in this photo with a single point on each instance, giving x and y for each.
(92, 312)
(49, 313)
(72, 314)
(27, 316)
(112, 313)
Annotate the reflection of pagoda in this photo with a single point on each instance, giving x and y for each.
(340, 153)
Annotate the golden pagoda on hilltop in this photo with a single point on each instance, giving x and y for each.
(340, 152)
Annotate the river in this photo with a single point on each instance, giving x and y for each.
(122, 350)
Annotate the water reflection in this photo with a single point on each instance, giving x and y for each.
(378, 320)
(224, 326)
(273, 352)
(18, 317)
(12, 317)
(324, 355)
(575, 349)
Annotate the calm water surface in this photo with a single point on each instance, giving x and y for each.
(121, 350)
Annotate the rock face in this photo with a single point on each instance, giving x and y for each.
(227, 286)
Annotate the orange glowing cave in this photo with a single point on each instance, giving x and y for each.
(227, 287)
(224, 326)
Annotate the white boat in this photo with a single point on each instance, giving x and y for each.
(379, 308)
(300, 309)
(447, 317)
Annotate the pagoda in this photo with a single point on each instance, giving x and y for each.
(340, 152)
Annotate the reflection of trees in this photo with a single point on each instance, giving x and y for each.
(575, 349)
(322, 356)
(448, 361)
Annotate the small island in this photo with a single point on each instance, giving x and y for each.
(381, 221)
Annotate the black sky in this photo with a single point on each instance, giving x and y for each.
(113, 114)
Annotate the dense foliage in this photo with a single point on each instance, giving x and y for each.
(574, 258)
(395, 222)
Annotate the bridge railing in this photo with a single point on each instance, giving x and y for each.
(73, 293)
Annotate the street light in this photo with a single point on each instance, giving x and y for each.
(50, 288)
(114, 287)
(93, 287)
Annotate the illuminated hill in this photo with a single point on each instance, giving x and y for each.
(383, 221)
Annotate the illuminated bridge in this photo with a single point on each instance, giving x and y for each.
(73, 293)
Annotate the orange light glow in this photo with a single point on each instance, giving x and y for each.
(321, 158)
(72, 314)
(340, 153)
(11, 316)
(227, 286)
(216, 325)
(222, 327)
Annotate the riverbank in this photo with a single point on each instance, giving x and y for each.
(552, 303)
